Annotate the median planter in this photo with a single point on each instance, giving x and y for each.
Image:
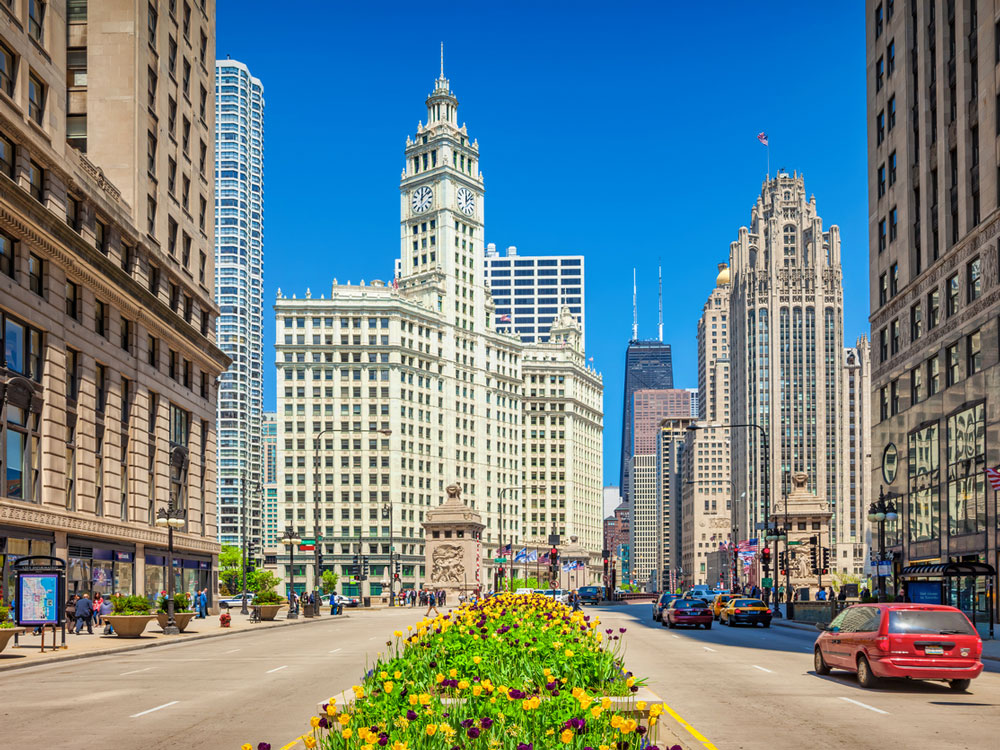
(129, 626)
(181, 619)
(269, 611)
(7, 634)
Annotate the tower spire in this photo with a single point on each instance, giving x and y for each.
(660, 269)
(635, 312)
(442, 59)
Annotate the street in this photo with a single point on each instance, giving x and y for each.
(739, 688)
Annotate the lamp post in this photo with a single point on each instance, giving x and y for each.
(243, 517)
(777, 535)
(391, 575)
(502, 494)
(878, 513)
(172, 517)
(290, 539)
(316, 534)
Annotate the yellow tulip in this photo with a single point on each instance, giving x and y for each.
(630, 682)
(388, 687)
(397, 745)
(566, 736)
(439, 678)
(397, 674)
(453, 673)
(314, 722)
(347, 733)
(309, 741)
(398, 633)
(413, 699)
(246, 746)
(383, 675)
(424, 699)
(596, 712)
(344, 719)
(431, 729)
(477, 690)
(641, 705)
(476, 659)
(463, 684)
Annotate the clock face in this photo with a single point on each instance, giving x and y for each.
(420, 199)
(890, 463)
(466, 201)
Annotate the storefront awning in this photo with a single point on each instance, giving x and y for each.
(950, 569)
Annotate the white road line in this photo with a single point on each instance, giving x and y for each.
(149, 711)
(761, 668)
(864, 705)
(675, 636)
(135, 671)
(334, 651)
(709, 649)
(284, 666)
(231, 651)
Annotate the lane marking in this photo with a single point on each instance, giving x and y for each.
(693, 732)
(675, 636)
(231, 651)
(293, 743)
(865, 705)
(334, 651)
(762, 669)
(276, 669)
(710, 649)
(149, 711)
(135, 671)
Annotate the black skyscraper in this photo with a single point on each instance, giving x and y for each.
(647, 365)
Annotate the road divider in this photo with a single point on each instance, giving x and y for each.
(150, 710)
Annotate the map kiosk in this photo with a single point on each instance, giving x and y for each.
(40, 594)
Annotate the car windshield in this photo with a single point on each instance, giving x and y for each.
(589, 590)
(936, 621)
(747, 603)
(682, 603)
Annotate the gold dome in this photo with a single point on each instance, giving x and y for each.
(723, 278)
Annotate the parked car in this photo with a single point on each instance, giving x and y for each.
(742, 611)
(590, 594)
(524, 591)
(560, 595)
(346, 601)
(660, 603)
(719, 603)
(687, 612)
(235, 602)
(914, 641)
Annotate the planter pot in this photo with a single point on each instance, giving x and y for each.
(269, 611)
(129, 626)
(7, 634)
(181, 619)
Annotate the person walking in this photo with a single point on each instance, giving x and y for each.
(431, 604)
(84, 614)
(821, 595)
(203, 604)
(107, 609)
(98, 600)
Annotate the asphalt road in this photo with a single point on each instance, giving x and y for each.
(738, 688)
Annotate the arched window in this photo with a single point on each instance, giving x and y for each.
(788, 239)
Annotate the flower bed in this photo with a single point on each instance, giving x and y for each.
(508, 673)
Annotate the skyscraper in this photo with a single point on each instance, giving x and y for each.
(650, 408)
(269, 482)
(107, 323)
(934, 279)
(530, 290)
(856, 457)
(786, 316)
(647, 366)
(239, 292)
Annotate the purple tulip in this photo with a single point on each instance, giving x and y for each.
(263, 746)
(473, 732)
(525, 746)
(486, 722)
(411, 715)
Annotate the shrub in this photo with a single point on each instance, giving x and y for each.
(4, 614)
(130, 605)
(182, 603)
(267, 597)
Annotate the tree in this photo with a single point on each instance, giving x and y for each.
(262, 580)
(329, 582)
(231, 568)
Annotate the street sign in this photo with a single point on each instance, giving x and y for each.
(791, 543)
(760, 525)
(767, 582)
(884, 569)
(499, 559)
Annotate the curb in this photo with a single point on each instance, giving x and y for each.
(157, 643)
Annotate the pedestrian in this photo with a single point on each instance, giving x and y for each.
(431, 604)
(98, 599)
(84, 614)
(203, 604)
(842, 596)
(821, 595)
(107, 609)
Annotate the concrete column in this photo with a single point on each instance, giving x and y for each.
(140, 568)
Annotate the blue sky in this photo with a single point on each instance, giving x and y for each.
(623, 131)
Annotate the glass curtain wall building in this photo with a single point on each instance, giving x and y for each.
(239, 225)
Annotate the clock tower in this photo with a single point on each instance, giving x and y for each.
(441, 214)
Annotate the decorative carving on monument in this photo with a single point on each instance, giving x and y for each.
(447, 564)
(802, 562)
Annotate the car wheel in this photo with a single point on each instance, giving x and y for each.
(708, 626)
(819, 664)
(866, 677)
(959, 686)
(670, 623)
(767, 624)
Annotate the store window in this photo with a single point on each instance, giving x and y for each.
(924, 479)
(20, 451)
(966, 466)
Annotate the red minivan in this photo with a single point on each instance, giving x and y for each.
(915, 641)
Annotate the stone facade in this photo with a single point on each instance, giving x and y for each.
(108, 380)
(454, 547)
(805, 516)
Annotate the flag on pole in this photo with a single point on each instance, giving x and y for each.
(505, 550)
(504, 319)
(993, 475)
(395, 283)
(762, 137)
(533, 556)
(521, 556)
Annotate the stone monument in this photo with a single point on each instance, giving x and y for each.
(805, 516)
(453, 548)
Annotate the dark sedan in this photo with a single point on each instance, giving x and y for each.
(688, 612)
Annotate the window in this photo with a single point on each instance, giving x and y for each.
(171, 175)
(126, 334)
(893, 224)
(152, 23)
(878, 21)
(974, 276)
(881, 235)
(8, 263)
(916, 322)
(883, 403)
(171, 236)
(966, 478)
(880, 181)
(101, 236)
(894, 398)
(127, 258)
(202, 261)
(76, 132)
(892, 169)
(172, 55)
(202, 157)
(101, 318)
(952, 291)
(973, 353)
(73, 300)
(72, 374)
(36, 274)
(7, 156)
(151, 215)
(21, 454)
(186, 251)
(879, 128)
(203, 48)
(893, 279)
(892, 112)
(894, 336)
(186, 79)
(8, 70)
(151, 154)
(879, 73)
(185, 133)
(151, 101)
(916, 385)
(36, 98)
(36, 180)
(154, 280)
(933, 309)
(924, 482)
(153, 351)
(171, 115)
(203, 103)
(101, 383)
(202, 210)
(883, 344)
(22, 348)
(883, 290)
(951, 372)
(933, 375)
(36, 19)
(890, 58)
(185, 190)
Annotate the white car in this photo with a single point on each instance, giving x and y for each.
(560, 595)
(519, 592)
(235, 602)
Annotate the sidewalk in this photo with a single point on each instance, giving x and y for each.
(28, 653)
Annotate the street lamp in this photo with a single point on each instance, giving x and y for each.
(170, 518)
(387, 514)
(316, 535)
(243, 519)
(290, 539)
(878, 513)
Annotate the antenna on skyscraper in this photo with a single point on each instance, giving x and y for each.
(660, 269)
(635, 312)
(442, 59)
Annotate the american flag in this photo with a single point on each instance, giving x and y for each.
(748, 545)
(762, 137)
(395, 283)
(993, 475)
(504, 319)
(505, 550)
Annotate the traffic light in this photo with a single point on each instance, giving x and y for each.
(765, 557)
(826, 560)
(814, 555)
(553, 557)
(364, 568)
(783, 562)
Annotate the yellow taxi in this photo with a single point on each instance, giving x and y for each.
(744, 610)
(719, 603)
